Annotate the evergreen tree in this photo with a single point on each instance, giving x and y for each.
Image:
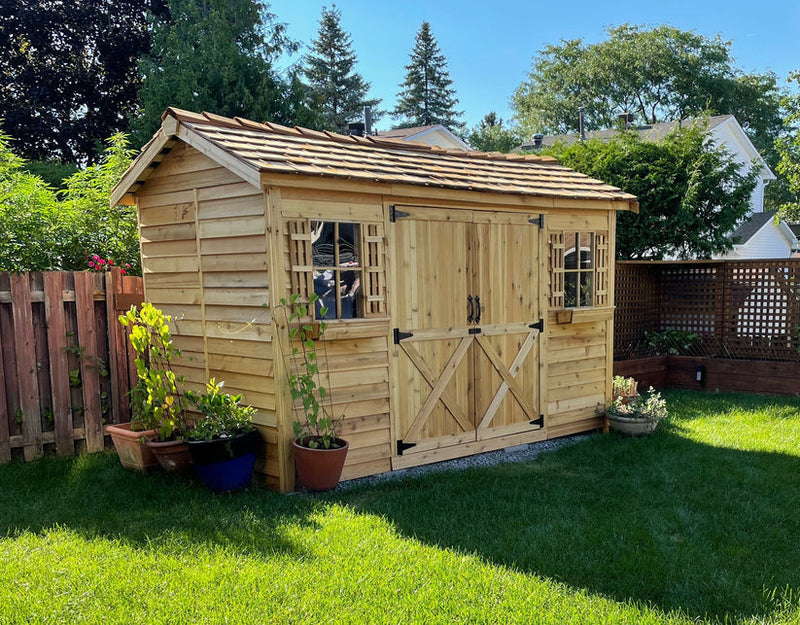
(427, 97)
(337, 91)
(216, 56)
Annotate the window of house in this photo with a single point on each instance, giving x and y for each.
(342, 263)
(578, 268)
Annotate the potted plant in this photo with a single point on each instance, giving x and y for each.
(130, 438)
(319, 452)
(222, 442)
(151, 339)
(624, 388)
(638, 416)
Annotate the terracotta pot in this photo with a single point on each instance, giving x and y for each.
(173, 456)
(626, 399)
(319, 469)
(632, 427)
(131, 448)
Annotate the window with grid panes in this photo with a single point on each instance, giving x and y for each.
(578, 269)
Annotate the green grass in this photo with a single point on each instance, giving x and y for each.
(698, 523)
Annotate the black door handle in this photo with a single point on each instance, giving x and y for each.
(471, 309)
(478, 304)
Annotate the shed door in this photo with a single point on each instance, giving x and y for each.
(434, 395)
(467, 298)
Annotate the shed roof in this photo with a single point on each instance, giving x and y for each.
(253, 149)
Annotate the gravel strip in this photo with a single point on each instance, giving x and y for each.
(520, 453)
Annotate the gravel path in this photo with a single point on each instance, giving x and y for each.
(520, 453)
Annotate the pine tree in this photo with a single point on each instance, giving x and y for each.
(337, 91)
(427, 97)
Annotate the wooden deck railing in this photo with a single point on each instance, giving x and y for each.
(65, 362)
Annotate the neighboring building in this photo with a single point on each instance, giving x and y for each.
(435, 134)
(758, 236)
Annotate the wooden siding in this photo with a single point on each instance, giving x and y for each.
(205, 264)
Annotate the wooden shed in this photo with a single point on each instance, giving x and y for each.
(470, 294)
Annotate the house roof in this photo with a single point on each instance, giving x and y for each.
(649, 132)
(748, 229)
(253, 150)
(404, 133)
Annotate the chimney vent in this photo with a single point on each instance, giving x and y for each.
(537, 140)
(356, 128)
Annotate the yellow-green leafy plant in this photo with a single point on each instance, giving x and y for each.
(151, 339)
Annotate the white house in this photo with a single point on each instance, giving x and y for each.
(759, 236)
(435, 134)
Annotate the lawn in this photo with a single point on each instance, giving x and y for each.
(698, 523)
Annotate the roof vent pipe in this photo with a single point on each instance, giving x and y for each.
(537, 141)
(581, 127)
(367, 121)
(625, 120)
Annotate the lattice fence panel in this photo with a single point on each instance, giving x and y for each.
(637, 297)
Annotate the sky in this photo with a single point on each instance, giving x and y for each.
(489, 45)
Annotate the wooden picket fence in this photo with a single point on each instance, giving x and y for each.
(66, 365)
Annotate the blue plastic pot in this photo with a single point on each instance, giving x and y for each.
(225, 464)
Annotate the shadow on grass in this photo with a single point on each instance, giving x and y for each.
(94, 497)
(680, 525)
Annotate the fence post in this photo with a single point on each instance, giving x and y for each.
(117, 360)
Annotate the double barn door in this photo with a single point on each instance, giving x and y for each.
(467, 321)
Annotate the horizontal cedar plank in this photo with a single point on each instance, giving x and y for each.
(297, 193)
(224, 208)
(160, 249)
(318, 209)
(576, 365)
(575, 427)
(239, 347)
(254, 244)
(222, 191)
(357, 329)
(188, 343)
(171, 264)
(346, 379)
(234, 262)
(266, 417)
(364, 423)
(571, 416)
(235, 330)
(232, 227)
(356, 455)
(165, 280)
(577, 329)
(233, 279)
(571, 342)
(573, 379)
(244, 381)
(211, 177)
(566, 405)
(181, 213)
(350, 347)
(364, 469)
(575, 220)
(241, 364)
(362, 392)
(239, 314)
(148, 201)
(577, 390)
(174, 296)
(176, 232)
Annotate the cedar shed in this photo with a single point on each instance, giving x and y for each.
(470, 295)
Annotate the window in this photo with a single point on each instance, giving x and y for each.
(578, 263)
(342, 262)
(336, 269)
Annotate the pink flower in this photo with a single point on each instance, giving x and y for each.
(91, 264)
(123, 272)
(127, 265)
(110, 262)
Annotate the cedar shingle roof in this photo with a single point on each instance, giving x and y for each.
(271, 148)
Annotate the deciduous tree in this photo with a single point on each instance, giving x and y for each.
(692, 193)
(491, 136)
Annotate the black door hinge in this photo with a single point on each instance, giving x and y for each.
(399, 336)
(539, 325)
(539, 421)
(538, 221)
(395, 214)
(474, 330)
(401, 446)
